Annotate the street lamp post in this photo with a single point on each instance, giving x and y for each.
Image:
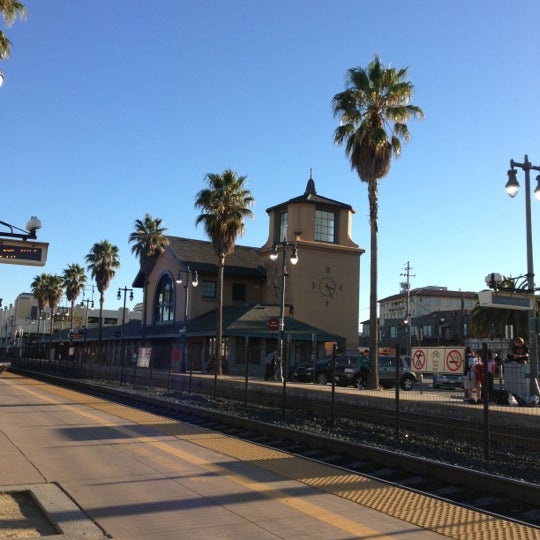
(194, 283)
(124, 290)
(512, 188)
(86, 303)
(293, 260)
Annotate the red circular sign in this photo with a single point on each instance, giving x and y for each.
(454, 361)
(273, 324)
(419, 360)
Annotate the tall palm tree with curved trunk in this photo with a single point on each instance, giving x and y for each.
(224, 206)
(373, 111)
(74, 278)
(40, 292)
(102, 261)
(149, 242)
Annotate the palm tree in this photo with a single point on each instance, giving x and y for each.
(9, 10)
(102, 262)
(74, 281)
(41, 294)
(224, 205)
(55, 288)
(373, 112)
(492, 322)
(149, 242)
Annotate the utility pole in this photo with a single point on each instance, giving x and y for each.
(408, 319)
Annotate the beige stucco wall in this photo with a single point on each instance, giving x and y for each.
(334, 309)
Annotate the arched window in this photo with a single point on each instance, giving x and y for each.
(164, 300)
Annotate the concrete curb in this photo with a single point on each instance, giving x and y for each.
(71, 522)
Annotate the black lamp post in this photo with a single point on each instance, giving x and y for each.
(284, 245)
(124, 290)
(512, 188)
(194, 283)
(85, 303)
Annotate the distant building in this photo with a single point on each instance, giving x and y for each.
(23, 320)
(436, 315)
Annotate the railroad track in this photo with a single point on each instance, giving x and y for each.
(513, 499)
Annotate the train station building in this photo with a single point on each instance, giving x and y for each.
(316, 301)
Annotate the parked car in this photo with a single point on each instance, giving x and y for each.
(447, 379)
(319, 372)
(350, 375)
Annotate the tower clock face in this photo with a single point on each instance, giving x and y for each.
(328, 287)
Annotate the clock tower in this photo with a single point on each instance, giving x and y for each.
(323, 288)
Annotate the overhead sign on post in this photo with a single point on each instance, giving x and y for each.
(23, 252)
(497, 299)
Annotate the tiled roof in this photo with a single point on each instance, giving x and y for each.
(431, 292)
(252, 320)
(310, 197)
(245, 320)
(201, 252)
(200, 255)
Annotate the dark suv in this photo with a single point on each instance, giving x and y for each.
(319, 372)
(350, 375)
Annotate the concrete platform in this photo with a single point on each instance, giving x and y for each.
(135, 475)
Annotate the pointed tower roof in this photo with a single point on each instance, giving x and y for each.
(310, 197)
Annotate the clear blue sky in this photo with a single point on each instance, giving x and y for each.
(110, 110)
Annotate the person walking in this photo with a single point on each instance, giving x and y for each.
(468, 363)
(477, 375)
(270, 365)
(278, 368)
(491, 366)
(365, 368)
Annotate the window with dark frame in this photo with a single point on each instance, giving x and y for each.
(239, 292)
(164, 300)
(325, 226)
(208, 289)
(283, 225)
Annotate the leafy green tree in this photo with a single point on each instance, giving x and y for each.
(224, 206)
(102, 262)
(74, 280)
(491, 322)
(373, 111)
(149, 242)
(40, 292)
(9, 10)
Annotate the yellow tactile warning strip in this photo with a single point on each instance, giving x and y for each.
(423, 511)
